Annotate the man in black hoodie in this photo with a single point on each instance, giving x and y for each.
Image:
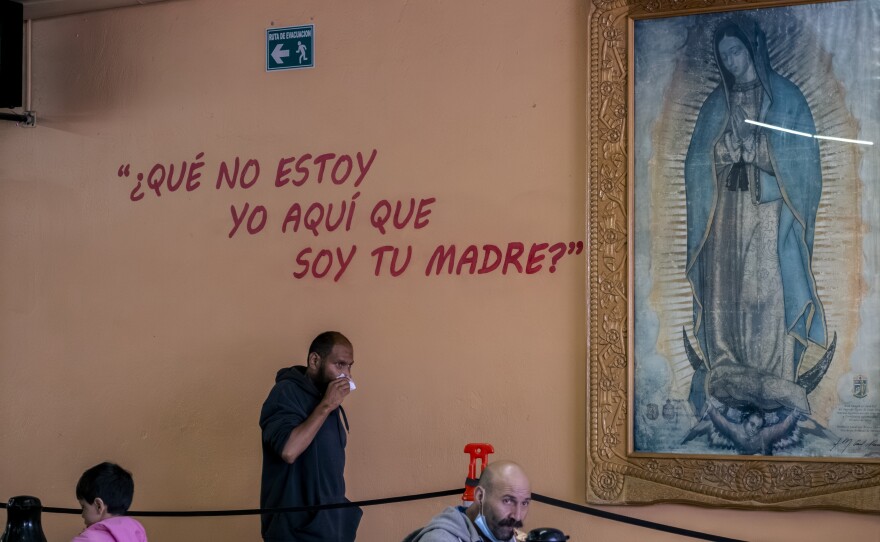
(304, 435)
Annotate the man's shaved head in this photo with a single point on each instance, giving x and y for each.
(503, 473)
(502, 498)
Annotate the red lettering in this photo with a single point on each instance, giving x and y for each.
(321, 160)
(313, 217)
(380, 215)
(468, 256)
(256, 219)
(351, 211)
(396, 271)
(558, 251)
(303, 170)
(302, 261)
(259, 211)
(152, 182)
(324, 262)
(441, 255)
(252, 163)
(399, 217)
(293, 215)
(171, 186)
(192, 179)
(223, 173)
(422, 215)
(341, 160)
(379, 253)
(398, 223)
(514, 251)
(344, 262)
(282, 172)
(329, 223)
(489, 267)
(533, 263)
(237, 219)
(364, 168)
(322, 253)
(136, 194)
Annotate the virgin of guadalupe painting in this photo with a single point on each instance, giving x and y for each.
(750, 235)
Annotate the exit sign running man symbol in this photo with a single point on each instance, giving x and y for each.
(290, 48)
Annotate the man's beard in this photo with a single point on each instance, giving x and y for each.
(325, 381)
(321, 379)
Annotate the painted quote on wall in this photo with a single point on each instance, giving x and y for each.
(312, 219)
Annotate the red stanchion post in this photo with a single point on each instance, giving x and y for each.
(481, 451)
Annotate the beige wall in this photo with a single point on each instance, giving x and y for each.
(142, 333)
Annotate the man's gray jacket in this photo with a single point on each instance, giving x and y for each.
(450, 525)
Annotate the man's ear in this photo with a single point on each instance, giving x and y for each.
(313, 360)
(478, 497)
(100, 506)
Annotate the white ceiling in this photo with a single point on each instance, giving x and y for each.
(41, 9)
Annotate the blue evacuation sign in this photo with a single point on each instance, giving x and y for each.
(290, 48)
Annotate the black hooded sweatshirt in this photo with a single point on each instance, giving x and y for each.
(316, 477)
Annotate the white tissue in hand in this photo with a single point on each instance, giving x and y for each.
(351, 385)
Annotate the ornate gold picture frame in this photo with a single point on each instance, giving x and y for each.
(802, 460)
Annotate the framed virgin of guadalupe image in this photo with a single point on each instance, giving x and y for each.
(734, 253)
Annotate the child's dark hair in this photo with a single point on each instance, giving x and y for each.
(113, 484)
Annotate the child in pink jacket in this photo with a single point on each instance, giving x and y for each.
(105, 492)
